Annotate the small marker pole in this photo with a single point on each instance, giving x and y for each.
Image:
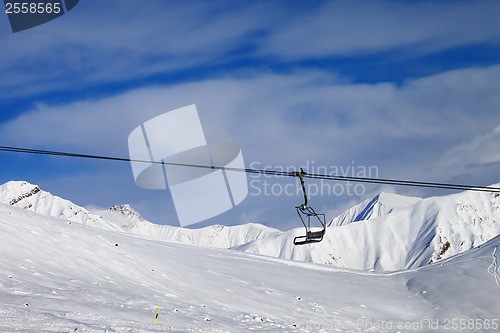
(157, 313)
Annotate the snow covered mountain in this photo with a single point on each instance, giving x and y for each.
(124, 218)
(31, 197)
(60, 277)
(393, 232)
(218, 236)
(380, 205)
(386, 233)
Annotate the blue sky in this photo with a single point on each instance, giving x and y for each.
(408, 88)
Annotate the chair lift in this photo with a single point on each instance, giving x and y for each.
(307, 213)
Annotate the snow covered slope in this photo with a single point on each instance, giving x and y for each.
(124, 218)
(218, 236)
(31, 197)
(60, 277)
(380, 205)
(410, 234)
(389, 232)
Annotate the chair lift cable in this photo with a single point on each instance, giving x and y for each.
(277, 173)
(304, 211)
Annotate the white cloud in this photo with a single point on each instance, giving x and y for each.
(348, 27)
(474, 156)
(289, 120)
(113, 41)
(301, 116)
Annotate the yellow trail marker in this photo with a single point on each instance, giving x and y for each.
(157, 313)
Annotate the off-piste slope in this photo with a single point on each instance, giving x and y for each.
(61, 277)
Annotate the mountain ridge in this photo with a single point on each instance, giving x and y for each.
(32, 198)
(385, 233)
(382, 204)
(411, 236)
(124, 218)
(218, 236)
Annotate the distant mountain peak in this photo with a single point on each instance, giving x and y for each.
(18, 183)
(380, 205)
(24, 195)
(367, 210)
(127, 211)
(14, 192)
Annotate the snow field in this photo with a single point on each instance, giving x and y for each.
(74, 278)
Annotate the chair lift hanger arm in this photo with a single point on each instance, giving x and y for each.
(307, 213)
